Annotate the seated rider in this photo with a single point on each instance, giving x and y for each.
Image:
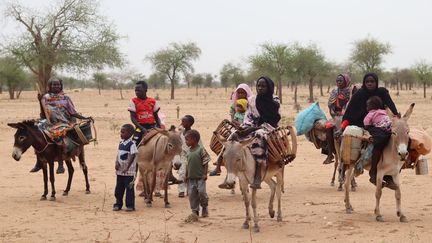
(59, 113)
(337, 102)
(144, 115)
(262, 116)
(143, 111)
(357, 111)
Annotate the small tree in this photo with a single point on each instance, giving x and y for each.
(176, 58)
(208, 80)
(197, 81)
(231, 74)
(101, 80)
(423, 72)
(309, 62)
(13, 76)
(273, 59)
(70, 35)
(157, 80)
(368, 54)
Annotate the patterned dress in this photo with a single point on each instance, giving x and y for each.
(252, 119)
(58, 110)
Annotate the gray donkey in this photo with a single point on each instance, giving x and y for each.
(240, 163)
(391, 162)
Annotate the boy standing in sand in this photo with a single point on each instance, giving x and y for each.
(196, 174)
(180, 161)
(125, 166)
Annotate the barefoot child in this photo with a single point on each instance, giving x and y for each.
(125, 166)
(196, 173)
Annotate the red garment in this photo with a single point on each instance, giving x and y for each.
(144, 109)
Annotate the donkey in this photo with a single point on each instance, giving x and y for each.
(29, 135)
(241, 163)
(157, 154)
(394, 155)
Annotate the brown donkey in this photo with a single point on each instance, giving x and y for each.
(391, 162)
(28, 135)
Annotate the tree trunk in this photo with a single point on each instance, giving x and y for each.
(424, 90)
(292, 85)
(295, 93)
(99, 88)
(172, 88)
(196, 91)
(279, 84)
(397, 87)
(321, 89)
(328, 88)
(18, 93)
(410, 86)
(311, 97)
(11, 93)
(121, 93)
(1, 89)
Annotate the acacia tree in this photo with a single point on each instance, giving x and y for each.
(174, 59)
(423, 72)
(197, 81)
(231, 74)
(157, 80)
(70, 35)
(101, 80)
(13, 76)
(309, 62)
(273, 59)
(368, 54)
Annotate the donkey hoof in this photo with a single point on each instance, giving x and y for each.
(353, 189)
(245, 226)
(332, 183)
(379, 218)
(256, 229)
(349, 210)
(141, 194)
(271, 213)
(167, 205)
(279, 218)
(43, 198)
(52, 198)
(339, 189)
(65, 193)
(403, 219)
(87, 192)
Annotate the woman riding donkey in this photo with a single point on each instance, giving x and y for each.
(356, 112)
(262, 117)
(60, 116)
(337, 102)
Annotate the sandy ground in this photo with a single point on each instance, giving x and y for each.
(312, 210)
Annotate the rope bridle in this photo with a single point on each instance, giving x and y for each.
(46, 141)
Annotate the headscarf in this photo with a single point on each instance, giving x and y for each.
(243, 86)
(243, 103)
(356, 110)
(374, 76)
(339, 97)
(266, 106)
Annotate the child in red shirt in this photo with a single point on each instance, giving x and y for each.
(143, 111)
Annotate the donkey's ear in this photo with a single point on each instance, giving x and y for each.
(247, 142)
(408, 113)
(221, 139)
(15, 125)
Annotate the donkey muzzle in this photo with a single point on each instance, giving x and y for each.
(16, 153)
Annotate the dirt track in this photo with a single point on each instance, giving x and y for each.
(312, 210)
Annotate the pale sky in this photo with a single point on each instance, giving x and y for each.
(232, 30)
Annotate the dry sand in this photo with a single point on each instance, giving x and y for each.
(312, 210)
